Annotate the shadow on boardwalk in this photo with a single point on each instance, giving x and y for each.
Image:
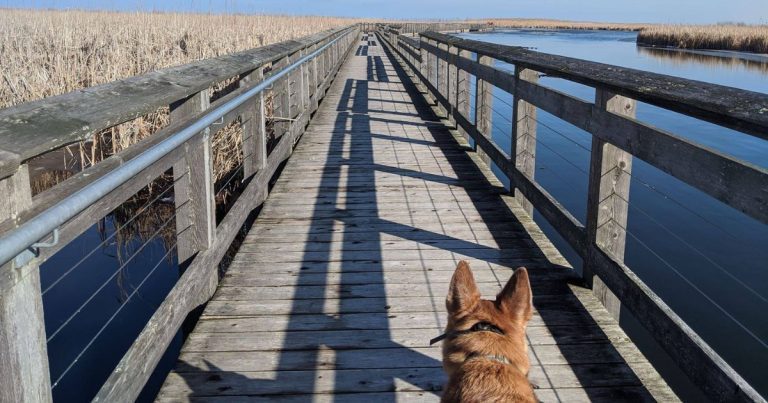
(354, 332)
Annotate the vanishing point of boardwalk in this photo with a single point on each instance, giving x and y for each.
(340, 283)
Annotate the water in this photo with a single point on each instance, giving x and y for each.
(707, 261)
(99, 292)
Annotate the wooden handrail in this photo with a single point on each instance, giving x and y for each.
(201, 242)
(728, 179)
(617, 136)
(34, 128)
(738, 109)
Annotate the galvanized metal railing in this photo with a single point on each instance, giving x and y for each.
(32, 229)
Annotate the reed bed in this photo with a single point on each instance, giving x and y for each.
(45, 53)
(737, 37)
(563, 24)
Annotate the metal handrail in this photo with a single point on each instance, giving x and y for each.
(15, 243)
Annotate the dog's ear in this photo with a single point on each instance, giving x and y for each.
(517, 298)
(463, 294)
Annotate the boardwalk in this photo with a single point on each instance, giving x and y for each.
(340, 284)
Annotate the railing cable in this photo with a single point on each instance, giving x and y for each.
(109, 280)
(111, 318)
(113, 234)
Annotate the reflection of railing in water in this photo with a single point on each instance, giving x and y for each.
(296, 73)
(444, 66)
(710, 58)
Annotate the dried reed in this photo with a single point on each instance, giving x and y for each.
(745, 38)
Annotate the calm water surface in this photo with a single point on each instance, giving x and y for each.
(706, 260)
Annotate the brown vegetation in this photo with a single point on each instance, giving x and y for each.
(45, 53)
(746, 38)
(562, 24)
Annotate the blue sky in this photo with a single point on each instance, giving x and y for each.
(668, 11)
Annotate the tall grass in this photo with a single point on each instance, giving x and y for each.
(563, 24)
(746, 38)
(45, 53)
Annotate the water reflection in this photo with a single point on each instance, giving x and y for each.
(720, 59)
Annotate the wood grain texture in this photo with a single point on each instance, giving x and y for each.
(340, 283)
(193, 288)
(24, 375)
(703, 365)
(34, 128)
(523, 151)
(730, 107)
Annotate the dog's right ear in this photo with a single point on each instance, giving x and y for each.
(463, 294)
(517, 297)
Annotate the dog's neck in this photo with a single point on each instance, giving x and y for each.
(492, 357)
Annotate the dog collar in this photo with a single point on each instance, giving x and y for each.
(478, 327)
(492, 357)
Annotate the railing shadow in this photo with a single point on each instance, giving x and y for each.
(339, 336)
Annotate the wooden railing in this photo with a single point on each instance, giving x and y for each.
(442, 65)
(418, 27)
(32, 129)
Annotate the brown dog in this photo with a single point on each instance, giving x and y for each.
(484, 352)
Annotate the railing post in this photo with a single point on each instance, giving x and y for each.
(252, 129)
(281, 99)
(424, 67)
(24, 373)
(523, 152)
(463, 91)
(483, 107)
(442, 78)
(607, 198)
(193, 190)
(432, 66)
(452, 91)
(313, 76)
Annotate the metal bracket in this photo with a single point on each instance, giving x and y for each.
(219, 122)
(33, 250)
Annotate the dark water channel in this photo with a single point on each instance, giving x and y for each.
(708, 261)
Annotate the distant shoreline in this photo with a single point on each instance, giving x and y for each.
(723, 37)
(722, 53)
(744, 39)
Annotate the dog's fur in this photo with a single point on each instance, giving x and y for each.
(475, 362)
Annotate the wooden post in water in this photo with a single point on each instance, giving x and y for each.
(523, 151)
(607, 207)
(24, 373)
(484, 107)
(251, 124)
(193, 190)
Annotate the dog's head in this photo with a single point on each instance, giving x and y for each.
(478, 327)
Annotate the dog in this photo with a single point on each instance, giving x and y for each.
(484, 350)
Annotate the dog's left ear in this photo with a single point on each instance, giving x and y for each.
(517, 297)
(463, 294)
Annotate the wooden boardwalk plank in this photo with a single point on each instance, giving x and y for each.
(341, 281)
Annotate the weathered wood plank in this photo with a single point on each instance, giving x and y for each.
(523, 150)
(193, 186)
(130, 375)
(341, 282)
(730, 107)
(35, 127)
(24, 374)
